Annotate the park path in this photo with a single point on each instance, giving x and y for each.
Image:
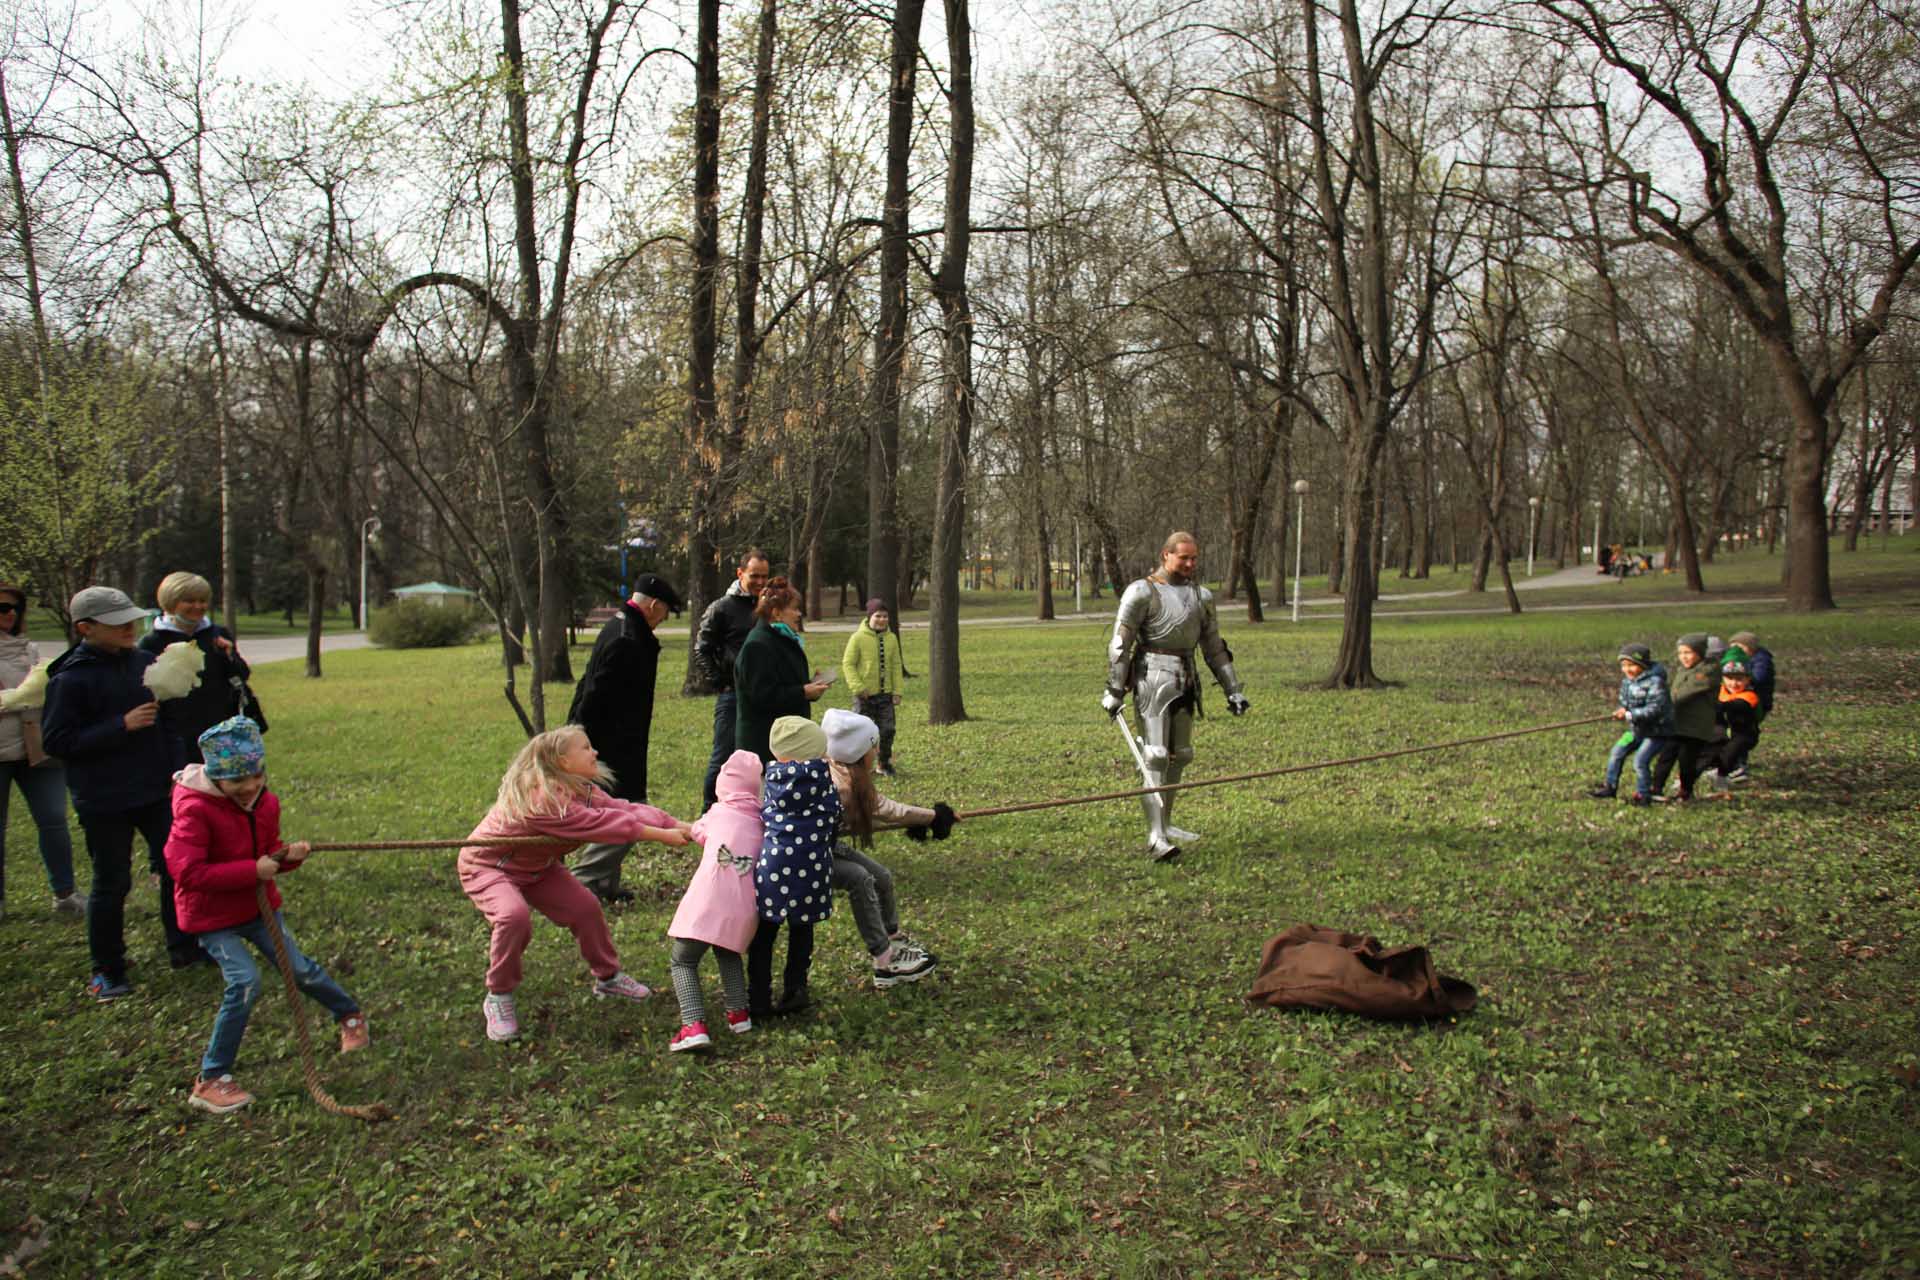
(287, 648)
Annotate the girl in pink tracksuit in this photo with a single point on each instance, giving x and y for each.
(718, 909)
(549, 792)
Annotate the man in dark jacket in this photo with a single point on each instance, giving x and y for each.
(614, 704)
(103, 721)
(723, 629)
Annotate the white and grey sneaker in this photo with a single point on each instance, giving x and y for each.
(71, 904)
(905, 963)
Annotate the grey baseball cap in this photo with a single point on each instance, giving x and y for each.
(108, 606)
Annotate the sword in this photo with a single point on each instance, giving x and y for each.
(1133, 745)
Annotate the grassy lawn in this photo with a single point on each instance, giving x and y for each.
(1695, 1052)
(44, 626)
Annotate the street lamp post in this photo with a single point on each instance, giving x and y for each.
(1300, 490)
(367, 526)
(1533, 529)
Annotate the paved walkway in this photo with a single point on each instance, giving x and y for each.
(286, 648)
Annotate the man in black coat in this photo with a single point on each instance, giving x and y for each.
(614, 703)
(723, 629)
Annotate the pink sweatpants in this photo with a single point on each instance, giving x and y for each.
(507, 896)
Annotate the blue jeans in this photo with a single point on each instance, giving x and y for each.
(110, 849)
(723, 717)
(45, 788)
(1642, 750)
(229, 951)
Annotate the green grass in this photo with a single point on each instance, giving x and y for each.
(44, 626)
(1694, 1054)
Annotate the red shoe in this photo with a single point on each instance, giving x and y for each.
(353, 1032)
(218, 1096)
(739, 1021)
(692, 1036)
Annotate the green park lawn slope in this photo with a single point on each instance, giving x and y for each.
(1696, 1053)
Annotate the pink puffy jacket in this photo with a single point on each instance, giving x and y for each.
(212, 851)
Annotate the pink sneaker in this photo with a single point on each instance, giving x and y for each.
(692, 1036)
(502, 1022)
(739, 1021)
(622, 987)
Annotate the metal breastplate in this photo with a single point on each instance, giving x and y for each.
(1174, 622)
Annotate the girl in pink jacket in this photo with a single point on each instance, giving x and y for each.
(549, 792)
(718, 908)
(224, 845)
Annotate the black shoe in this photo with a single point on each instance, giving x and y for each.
(1603, 792)
(188, 959)
(1640, 798)
(614, 897)
(791, 1003)
(757, 1012)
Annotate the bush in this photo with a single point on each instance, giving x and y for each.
(415, 624)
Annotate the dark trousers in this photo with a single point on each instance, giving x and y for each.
(723, 715)
(1730, 752)
(760, 961)
(110, 849)
(879, 709)
(1687, 752)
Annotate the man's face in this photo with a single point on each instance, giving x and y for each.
(1181, 562)
(654, 611)
(753, 576)
(105, 638)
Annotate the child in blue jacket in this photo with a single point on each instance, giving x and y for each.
(1647, 706)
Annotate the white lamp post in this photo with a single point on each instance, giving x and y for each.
(1300, 490)
(1533, 529)
(367, 526)
(1596, 532)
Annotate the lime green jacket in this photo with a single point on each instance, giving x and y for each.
(862, 667)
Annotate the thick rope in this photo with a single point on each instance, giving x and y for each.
(371, 1111)
(1035, 805)
(1271, 773)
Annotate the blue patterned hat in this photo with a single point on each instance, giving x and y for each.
(233, 749)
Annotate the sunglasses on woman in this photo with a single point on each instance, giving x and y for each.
(8, 606)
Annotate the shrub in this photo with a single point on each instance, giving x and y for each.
(415, 624)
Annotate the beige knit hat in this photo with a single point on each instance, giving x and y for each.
(797, 738)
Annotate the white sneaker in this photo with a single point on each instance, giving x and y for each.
(906, 963)
(503, 1023)
(71, 904)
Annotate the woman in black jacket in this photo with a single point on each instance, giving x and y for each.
(770, 673)
(184, 599)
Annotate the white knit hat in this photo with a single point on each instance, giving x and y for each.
(850, 735)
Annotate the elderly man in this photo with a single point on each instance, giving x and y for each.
(1162, 617)
(614, 703)
(723, 629)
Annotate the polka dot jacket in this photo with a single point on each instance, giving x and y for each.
(801, 811)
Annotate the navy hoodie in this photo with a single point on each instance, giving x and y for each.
(109, 770)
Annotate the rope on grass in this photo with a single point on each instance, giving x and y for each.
(371, 1111)
(1035, 805)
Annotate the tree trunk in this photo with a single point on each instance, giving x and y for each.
(704, 550)
(945, 705)
(890, 335)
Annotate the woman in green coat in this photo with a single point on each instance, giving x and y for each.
(770, 674)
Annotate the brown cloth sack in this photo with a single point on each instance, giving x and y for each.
(1308, 967)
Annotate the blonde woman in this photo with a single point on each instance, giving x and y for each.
(553, 790)
(184, 599)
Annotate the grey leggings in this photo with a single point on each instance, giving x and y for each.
(869, 889)
(686, 978)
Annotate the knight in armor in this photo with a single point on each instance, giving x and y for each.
(1162, 618)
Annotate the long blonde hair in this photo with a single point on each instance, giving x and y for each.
(536, 786)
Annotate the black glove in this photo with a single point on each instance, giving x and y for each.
(943, 820)
(918, 834)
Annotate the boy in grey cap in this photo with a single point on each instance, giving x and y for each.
(103, 720)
